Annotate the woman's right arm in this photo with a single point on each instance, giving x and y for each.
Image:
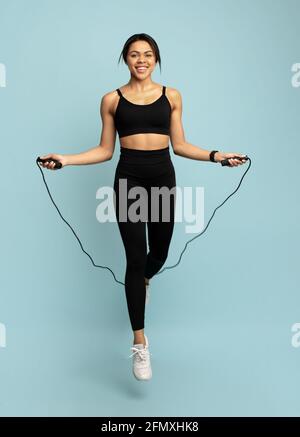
(101, 153)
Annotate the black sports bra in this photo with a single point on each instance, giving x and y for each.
(131, 118)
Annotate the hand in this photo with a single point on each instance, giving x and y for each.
(219, 156)
(50, 164)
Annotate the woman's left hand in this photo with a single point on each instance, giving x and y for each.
(219, 156)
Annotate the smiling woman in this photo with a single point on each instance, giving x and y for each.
(146, 115)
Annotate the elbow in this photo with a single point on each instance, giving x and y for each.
(105, 152)
(176, 149)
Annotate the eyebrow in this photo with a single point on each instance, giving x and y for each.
(139, 52)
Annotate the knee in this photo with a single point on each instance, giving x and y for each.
(161, 257)
(154, 264)
(136, 263)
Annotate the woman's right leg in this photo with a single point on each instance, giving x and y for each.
(133, 235)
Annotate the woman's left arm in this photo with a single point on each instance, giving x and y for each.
(187, 150)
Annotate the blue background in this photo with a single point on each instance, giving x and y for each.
(219, 324)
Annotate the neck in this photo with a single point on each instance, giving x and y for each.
(140, 85)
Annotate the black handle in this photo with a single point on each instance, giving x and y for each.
(226, 161)
(58, 164)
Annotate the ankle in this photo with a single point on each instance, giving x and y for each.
(139, 340)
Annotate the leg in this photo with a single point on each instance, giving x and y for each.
(133, 235)
(160, 233)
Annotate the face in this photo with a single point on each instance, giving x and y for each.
(141, 54)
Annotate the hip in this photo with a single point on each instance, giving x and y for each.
(145, 164)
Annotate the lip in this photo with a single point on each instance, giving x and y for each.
(141, 68)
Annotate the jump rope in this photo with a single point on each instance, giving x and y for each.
(224, 162)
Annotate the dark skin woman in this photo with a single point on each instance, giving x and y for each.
(141, 61)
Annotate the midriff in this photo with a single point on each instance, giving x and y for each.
(143, 141)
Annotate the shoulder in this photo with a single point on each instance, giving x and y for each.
(109, 96)
(174, 96)
(108, 100)
(173, 92)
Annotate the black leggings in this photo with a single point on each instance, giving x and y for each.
(144, 168)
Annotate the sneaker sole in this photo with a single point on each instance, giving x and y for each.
(141, 379)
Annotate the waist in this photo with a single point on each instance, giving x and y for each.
(135, 152)
(145, 156)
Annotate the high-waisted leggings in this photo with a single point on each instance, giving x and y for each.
(143, 168)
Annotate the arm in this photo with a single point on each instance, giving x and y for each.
(179, 144)
(104, 151)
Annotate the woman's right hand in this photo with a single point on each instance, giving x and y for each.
(50, 164)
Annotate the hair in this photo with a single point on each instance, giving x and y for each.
(141, 37)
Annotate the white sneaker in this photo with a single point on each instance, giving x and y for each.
(141, 361)
(147, 293)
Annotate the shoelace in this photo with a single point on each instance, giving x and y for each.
(140, 352)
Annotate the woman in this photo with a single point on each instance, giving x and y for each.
(146, 115)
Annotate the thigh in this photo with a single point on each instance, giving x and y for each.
(132, 233)
(160, 232)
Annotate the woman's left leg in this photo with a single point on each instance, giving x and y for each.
(160, 232)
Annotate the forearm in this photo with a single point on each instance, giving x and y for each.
(92, 156)
(187, 150)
